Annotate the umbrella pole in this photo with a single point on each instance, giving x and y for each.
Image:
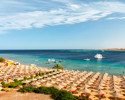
(99, 97)
(115, 98)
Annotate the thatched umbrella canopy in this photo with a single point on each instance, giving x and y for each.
(53, 77)
(114, 89)
(43, 80)
(85, 90)
(48, 84)
(52, 82)
(99, 87)
(33, 79)
(73, 88)
(59, 86)
(100, 92)
(35, 83)
(116, 94)
(63, 83)
(39, 77)
(58, 80)
(26, 82)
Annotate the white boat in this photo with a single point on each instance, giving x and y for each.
(87, 59)
(98, 56)
(51, 60)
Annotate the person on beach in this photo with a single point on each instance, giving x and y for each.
(62, 68)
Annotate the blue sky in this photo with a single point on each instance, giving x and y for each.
(66, 24)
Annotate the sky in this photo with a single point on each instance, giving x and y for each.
(62, 24)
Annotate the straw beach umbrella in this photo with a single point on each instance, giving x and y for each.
(39, 77)
(33, 79)
(99, 87)
(63, 83)
(116, 94)
(100, 92)
(35, 83)
(59, 86)
(114, 89)
(73, 88)
(53, 76)
(43, 80)
(26, 82)
(48, 84)
(86, 86)
(52, 82)
(58, 80)
(85, 90)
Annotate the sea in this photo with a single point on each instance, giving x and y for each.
(112, 63)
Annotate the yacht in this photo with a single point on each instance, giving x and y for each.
(51, 60)
(87, 59)
(98, 56)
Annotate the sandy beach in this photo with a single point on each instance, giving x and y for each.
(14, 95)
(94, 85)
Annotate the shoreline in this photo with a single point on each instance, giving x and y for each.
(111, 71)
(113, 49)
(109, 49)
(11, 60)
(68, 80)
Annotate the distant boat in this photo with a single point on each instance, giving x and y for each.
(61, 61)
(47, 63)
(87, 59)
(55, 62)
(51, 60)
(98, 56)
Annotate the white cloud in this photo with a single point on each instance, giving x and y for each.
(72, 13)
(74, 7)
(111, 18)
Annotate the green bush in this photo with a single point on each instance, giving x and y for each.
(25, 77)
(37, 74)
(56, 94)
(40, 74)
(6, 85)
(47, 72)
(3, 83)
(26, 89)
(53, 70)
(31, 76)
(15, 80)
(53, 90)
(46, 90)
(12, 84)
(58, 66)
(2, 59)
(42, 90)
(43, 74)
(63, 95)
(2, 89)
(50, 71)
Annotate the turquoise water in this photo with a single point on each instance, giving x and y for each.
(113, 63)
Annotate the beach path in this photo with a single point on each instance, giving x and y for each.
(14, 95)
